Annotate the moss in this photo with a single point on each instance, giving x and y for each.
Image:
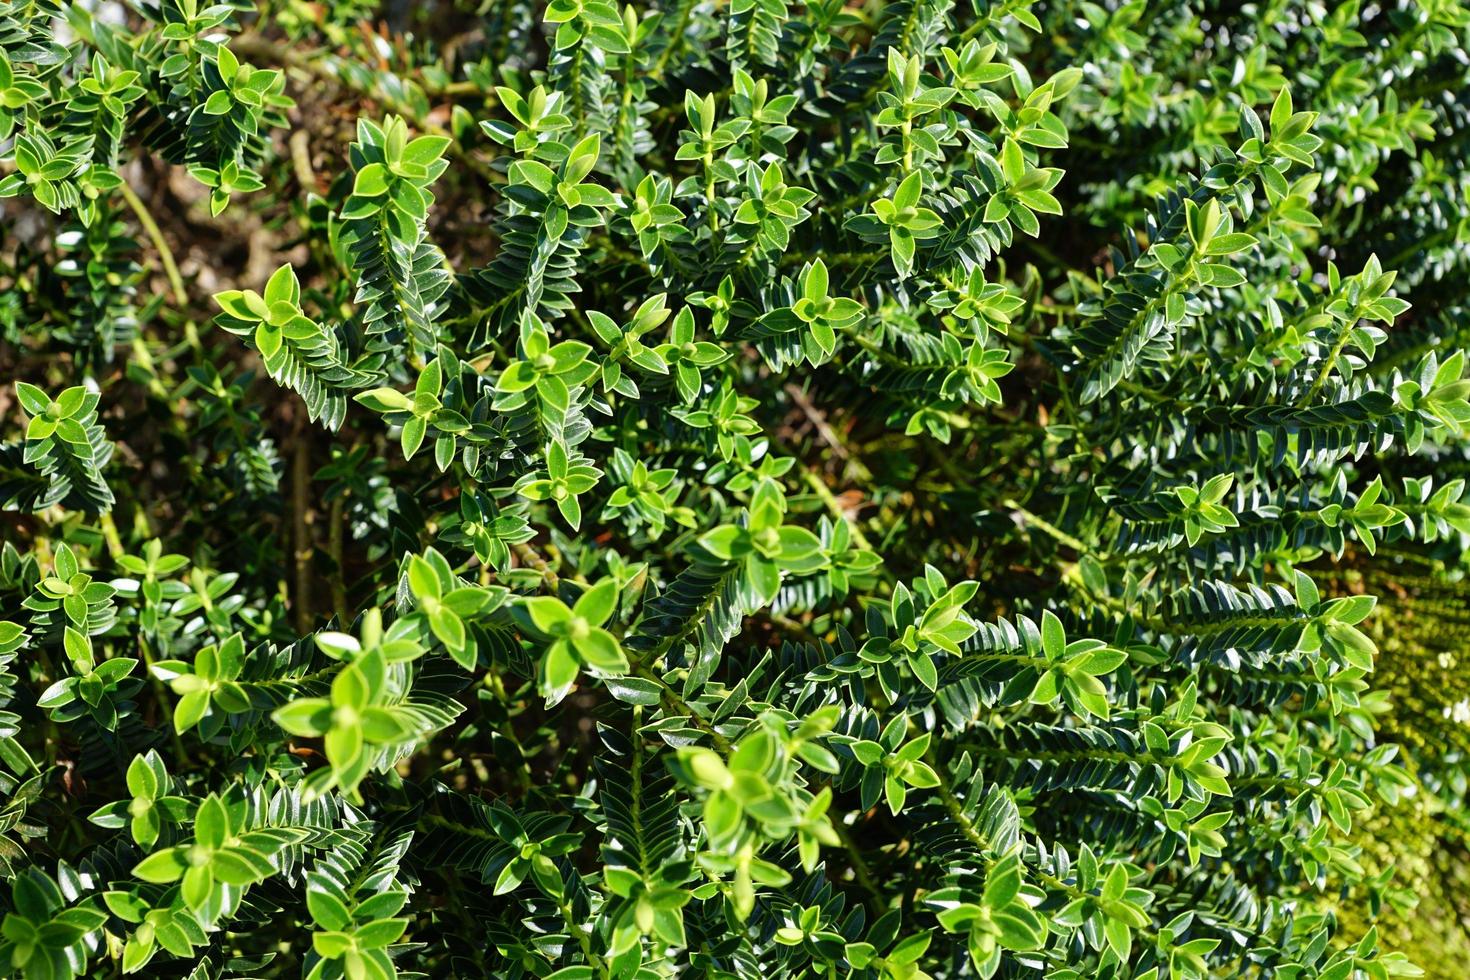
(1422, 628)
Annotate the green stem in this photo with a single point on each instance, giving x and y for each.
(109, 534)
(1343, 335)
(300, 500)
(673, 702)
(335, 533)
(860, 869)
(834, 506)
(181, 755)
(155, 234)
(1050, 529)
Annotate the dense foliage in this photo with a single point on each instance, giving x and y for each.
(739, 490)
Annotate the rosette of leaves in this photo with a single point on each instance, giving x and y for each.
(399, 272)
(764, 545)
(66, 446)
(578, 637)
(360, 715)
(299, 352)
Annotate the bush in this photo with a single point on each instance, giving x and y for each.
(746, 491)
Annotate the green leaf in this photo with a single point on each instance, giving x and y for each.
(547, 612)
(32, 399)
(1053, 637)
(371, 181)
(422, 579)
(426, 149)
(211, 823)
(597, 604)
(283, 287)
(412, 437)
(326, 910)
(560, 669)
(600, 650)
(724, 541)
(162, 867)
(306, 718)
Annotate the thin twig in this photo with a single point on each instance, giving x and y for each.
(110, 536)
(1050, 529)
(300, 500)
(824, 493)
(155, 234)
(818, 420)
(335, 526)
